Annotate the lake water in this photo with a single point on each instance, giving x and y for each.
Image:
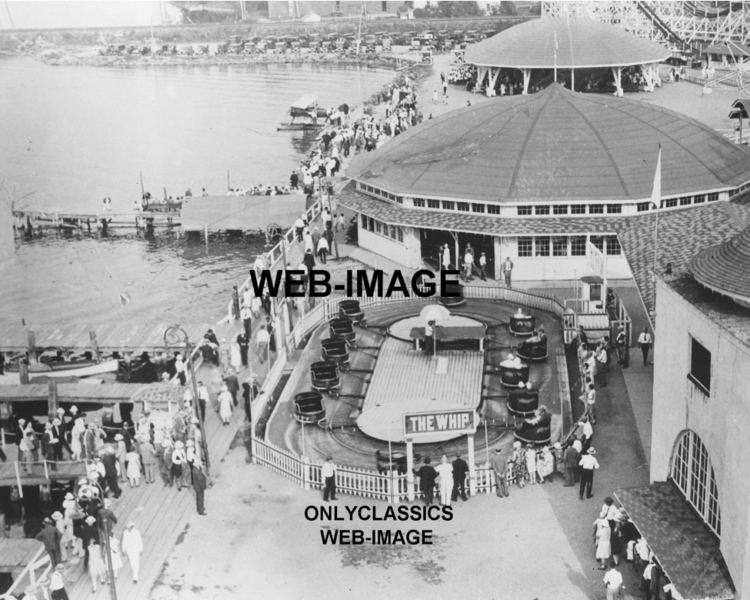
(73, 135)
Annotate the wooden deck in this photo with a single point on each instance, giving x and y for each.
(90, 221)
(161, 514)
(241, 213)
(110, 337)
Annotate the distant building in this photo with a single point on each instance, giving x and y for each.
(297, 10)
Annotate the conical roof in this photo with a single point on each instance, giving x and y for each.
(554, 145)
(578, 43)
(725, 268)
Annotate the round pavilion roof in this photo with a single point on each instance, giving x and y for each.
(581, 43)
(725, 268)
(554, 145)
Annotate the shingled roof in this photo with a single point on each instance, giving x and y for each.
(580, 43)
(725, 267)
(554, 146)
(687, 551)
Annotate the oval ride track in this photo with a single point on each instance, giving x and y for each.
(349, 446)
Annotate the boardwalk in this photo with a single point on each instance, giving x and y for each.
(161, 514)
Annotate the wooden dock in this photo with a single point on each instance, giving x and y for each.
(161, 514)
(30, 221)
(131, 336)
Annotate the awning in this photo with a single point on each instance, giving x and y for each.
(686, 549)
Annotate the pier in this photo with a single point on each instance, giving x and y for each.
(30, 221)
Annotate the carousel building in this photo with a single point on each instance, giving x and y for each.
(542, 179)
(695, 514)
(556, 49)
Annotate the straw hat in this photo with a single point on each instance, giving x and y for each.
(179, 444)
(592, 450)
(516, 444)
(69, 496)
(57, 515)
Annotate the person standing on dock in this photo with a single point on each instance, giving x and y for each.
(200, 483)
(132, 547)
(204, 398)
(328, 472)
(262, 339)
(235, 303)
(246, 314)
(148, 458)
(179, 365)
(50, 537)
(322, 249)
(225, 405)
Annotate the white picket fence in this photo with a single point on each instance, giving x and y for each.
(365, 483)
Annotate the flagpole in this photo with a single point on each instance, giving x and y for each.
(656, 200)
(555, 67)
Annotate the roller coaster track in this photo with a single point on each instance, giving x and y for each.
(660, 24)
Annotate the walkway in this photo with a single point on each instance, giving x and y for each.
(162, 514)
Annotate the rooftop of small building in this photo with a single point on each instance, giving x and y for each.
(723, 311)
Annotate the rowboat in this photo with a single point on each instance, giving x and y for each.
(38, 372)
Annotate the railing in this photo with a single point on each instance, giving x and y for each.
(365, 483)
(28, 579)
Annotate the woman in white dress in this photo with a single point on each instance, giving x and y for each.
(225, 405)
(114, 551)
(76, 436)
(602, 539)
(531, 463)
(133, 468)
(445, 479)
(97, 571)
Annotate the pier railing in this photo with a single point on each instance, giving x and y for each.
(391, 486)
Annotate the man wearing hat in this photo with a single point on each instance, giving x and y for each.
(50, 537)
(200, 483)
(500, 469)
(622, 347)
(588, 463)
(109, 460)
(328, 472)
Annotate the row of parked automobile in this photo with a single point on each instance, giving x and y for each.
(439, 41)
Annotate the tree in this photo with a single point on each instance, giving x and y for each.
(459, 9)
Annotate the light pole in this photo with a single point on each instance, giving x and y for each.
(177, 336)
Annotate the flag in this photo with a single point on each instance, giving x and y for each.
(656, 190)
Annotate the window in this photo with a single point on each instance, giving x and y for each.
(448, 205)
(700, 366)
(598, 242)
(613, 245)
(686, 201)
(713, 197)
(378, 227)
(370, 224)
(578, 209)
(578, 245)
(399, 234)
(392, 232)
(541, 246)
(418, 202)
(699, 199)
(643, 206)
(477, 208)
(596, 209)
(692, 472)
(400, 199)
(560, 209)
(670, 203)
(523, 211)
(493, 209)
(541, 210)
(364, 221)
(614, 209)
(524, 246)
(433, 203)
(462, 206)
(560, 246)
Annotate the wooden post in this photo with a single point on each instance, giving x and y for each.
(18, 479)
(52, 398)
(410, 470)
(31, 345)
(205, 231)
(95, 346)
(472, 465)
(305, 469)
(23, 372)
